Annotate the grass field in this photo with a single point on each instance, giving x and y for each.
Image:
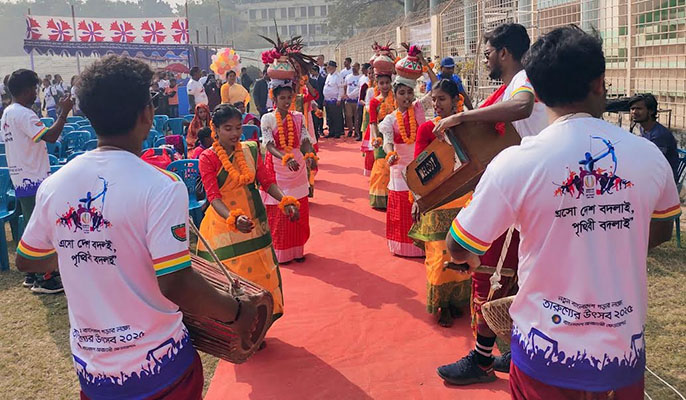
(36, 361)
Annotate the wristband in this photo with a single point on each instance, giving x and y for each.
(286, 158)
(233, 217)
(288, 201)
(391, 154)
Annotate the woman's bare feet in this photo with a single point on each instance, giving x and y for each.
(445, 318)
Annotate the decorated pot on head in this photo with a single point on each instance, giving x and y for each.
(284, 58)
(383, 63)
(281, 68)
(376, 49)
(410, 66)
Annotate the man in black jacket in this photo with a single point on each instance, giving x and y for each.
(261, 92)
(317, 81)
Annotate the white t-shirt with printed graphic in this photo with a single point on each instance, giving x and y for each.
(114, 236)
(197, 90)
(352, 84)
(583, 208)
(27, 154)
(538, 120)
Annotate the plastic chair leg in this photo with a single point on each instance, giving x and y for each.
(4, 257)
(14, 227)
(677, 222)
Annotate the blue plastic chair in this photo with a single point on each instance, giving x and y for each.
(251, 132)
(90, 129)
(74, 119)
(74, 155)
(152, 137)
(73, 141)
(189, 171)
(47, 121)
(54, 148)
(3, 161)
(73, 125)
(159, 142)
(189, 117)
(90, 145)
(83, 122)
(54, 168)
(680, 175)
(175, 125)
(6, 214)
(53, 160)
(159, 122)
(2, 148)
(67, 129)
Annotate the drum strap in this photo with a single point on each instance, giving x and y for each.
(495, 278)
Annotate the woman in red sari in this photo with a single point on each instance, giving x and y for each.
(200, 120)
(290, 152)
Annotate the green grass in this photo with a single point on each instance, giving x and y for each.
(36, 361)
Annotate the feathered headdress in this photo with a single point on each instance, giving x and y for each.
(290, 48)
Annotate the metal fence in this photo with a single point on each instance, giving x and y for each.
(644, 41)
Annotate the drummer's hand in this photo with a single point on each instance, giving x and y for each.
(471, 260)
(293, 212)
(293, 165)
(244, 224)
(416, 214)
(445, 123)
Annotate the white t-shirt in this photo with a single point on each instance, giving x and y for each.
(538, 120)
(110, 255)
(333, 87)
(581, 308)
(202, 79)
(197, 90)
(50, 96)
(163, 83)
(352, 83)
(345, 72)
(27, 154)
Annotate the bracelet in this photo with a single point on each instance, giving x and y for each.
(286, 158)
(391, 154)
(238, 311)
(377, 141)
(233, 217)
(312, 156)
(288, 201)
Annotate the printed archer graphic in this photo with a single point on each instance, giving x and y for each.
(593, 180)
(87, 217)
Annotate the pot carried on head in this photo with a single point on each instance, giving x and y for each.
(281, 69)
(383, 63)
(410, 66)
(285, 57)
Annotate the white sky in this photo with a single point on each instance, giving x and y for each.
(172, 2)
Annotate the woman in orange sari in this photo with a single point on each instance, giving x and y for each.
(379, 108)
(235, 224)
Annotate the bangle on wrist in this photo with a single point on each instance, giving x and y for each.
(288, 201)
(233, 217)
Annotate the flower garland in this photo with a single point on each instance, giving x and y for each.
(391, 154)
(387, 107)
(401, 125)
(246, 175)
(286, 129)
(286, 158)
(312, 156)
(233, 217)
(377, 142)
(288, 201)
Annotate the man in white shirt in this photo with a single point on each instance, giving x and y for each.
(347, 69)
(27, 155)
(126, 270)
(515, 101)
(334, 88)
(203, 77)
(588, 212)
(351, 96)
(195, 90)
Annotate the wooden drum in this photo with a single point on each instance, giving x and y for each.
(443, 172)
(220, 339)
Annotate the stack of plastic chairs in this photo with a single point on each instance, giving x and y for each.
(74, 119)
(175, 125)
(90, 129)
(90, 145)
(189, 172)
(73, 142)
(189, 117)
(83, 122)
(159, 122)
(8, 210)
(47, 121)
(251, 132)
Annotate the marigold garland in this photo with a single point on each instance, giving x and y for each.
(233, 217)
(246, 176)
(312, 156)
(402, 128)
(287, 129)
(286, 158)
(288, 201)
(387, 107)
(377, 142)
(391, 154)
(411, 197)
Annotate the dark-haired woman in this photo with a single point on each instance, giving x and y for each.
(200, 120)
(399, 130)
(289, 147)
(447, 290)
(372, 144)
(235, 224)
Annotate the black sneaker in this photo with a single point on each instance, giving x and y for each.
(502, 362)
(466, 371)
(29, 280)
(49, 286)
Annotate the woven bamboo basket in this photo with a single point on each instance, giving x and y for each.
(220, 339)
(497, 316)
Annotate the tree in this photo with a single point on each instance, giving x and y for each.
(348, 16)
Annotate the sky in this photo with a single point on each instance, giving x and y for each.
(172, 2)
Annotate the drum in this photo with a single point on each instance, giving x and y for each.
(220, 339)
(445, 171)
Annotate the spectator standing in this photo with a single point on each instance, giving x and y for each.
(352, 96)
(172, 93)
(233, 92)
(196, 90)
(27, 155)
(261, 93)
(203, 77)
(644, 112)
(212, 90)
(321, 65)
(246, 80)
(448, 72)
(49, 99)
(347, 69)
(317, 81)
(334, 87)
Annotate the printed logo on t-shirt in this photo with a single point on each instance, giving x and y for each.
(87, 216)
(597, 173)
(39, 123)
(179, 232)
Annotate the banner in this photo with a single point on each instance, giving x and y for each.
(151, 31)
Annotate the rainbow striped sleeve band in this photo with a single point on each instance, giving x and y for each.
(170, 174)
(521, 89)
(670, 213)
(466, 240)
(172, 263)
(33, 253)
(37, 138)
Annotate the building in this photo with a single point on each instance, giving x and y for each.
(294, 18)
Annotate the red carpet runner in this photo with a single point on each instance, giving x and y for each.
(355, 323)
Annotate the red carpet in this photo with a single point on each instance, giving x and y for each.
(355, 323)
